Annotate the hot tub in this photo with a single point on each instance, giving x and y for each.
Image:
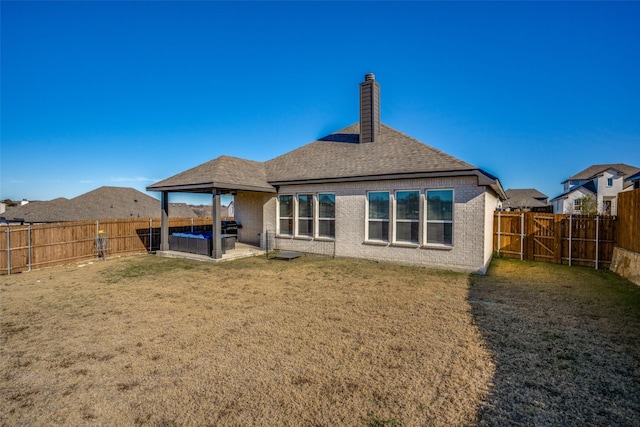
(199, 242)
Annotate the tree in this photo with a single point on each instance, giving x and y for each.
(586, 205)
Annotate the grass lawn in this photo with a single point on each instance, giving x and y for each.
(144, 340)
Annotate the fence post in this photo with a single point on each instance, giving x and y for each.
(29, 244)
(8, 251)
(192, 224)
(150, 234)
(597, 240)
(522, 236)
(570, 236)
(499, 226)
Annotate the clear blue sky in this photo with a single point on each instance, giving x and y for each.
(126, 94)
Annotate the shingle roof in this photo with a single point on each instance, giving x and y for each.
(589, 186)
(339, 155)
(224, 172)
(101, 203)
(524, 198)
(595, 170)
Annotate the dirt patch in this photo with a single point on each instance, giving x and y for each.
(315, 341)
(566, 345)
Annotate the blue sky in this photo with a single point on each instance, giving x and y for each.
(129, 93)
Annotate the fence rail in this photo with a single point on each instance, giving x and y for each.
(560, 239)
(23, 247)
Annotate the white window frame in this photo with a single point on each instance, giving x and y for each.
(324, 219)
(306, 218)
(427, 221)
(397, 220)
(292, 218)
(388, 220)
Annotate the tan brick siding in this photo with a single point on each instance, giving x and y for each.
(472, 206)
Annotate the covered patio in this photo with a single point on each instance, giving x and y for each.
(245, 179)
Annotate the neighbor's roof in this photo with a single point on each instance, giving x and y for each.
(589, 186)
(593, 171)
(634, 177)
(524, 198)
(225, 173)
(101, 203)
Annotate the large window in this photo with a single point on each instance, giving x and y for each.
(440, 217)
(286, 215)
(379, 216)
(407, 216)
(326, 215)
(305, 215)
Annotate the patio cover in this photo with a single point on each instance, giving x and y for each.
(222, 175)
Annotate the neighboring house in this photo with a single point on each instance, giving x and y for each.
(526, 199)
(366, 191)
(603, 182)
(634, 180)
(102, 203)
(230, 209)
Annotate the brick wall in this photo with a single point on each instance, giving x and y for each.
(472, 229)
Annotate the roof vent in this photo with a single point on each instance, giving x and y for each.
(369, 109)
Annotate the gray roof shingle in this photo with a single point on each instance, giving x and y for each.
(339, 155)
(224, 172)
(101, 203)
(595, 170)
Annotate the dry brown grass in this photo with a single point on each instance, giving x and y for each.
(565, 342)
(315, 341)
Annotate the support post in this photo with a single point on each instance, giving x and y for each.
(150, 234)
(597, 240)
(216, 227)
(164, 221)
(8, 251)
(29, 240)
(499, 225)
(570, 236)
(522, 236)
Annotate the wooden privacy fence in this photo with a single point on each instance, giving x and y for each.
(560, 239)
(23, 247)
(629, 220)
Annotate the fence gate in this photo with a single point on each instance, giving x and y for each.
(546, 238)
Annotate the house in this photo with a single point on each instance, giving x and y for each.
(367, 191)
(526, 199)
(634, 180)
(602, 182)
(101, 203)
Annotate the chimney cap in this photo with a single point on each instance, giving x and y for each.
(369, 77)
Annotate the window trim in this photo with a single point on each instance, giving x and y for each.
(427, 221)
(326, 219)
(394, 234)
(388, 220)
(280, 217)
(298, 217)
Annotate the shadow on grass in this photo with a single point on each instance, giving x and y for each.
(565, 342)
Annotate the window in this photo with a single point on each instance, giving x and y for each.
(326, 215)
(305, 215)
(407, 216)
(609, 182)
(577, 204)
(379, 216)
(440, 217)
(286, 215)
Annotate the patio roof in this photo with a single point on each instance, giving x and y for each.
(224, 173)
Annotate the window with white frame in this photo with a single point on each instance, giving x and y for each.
(378, 222)
(577, 204)
(305, 215)
(609, 182)
(327, 215)
(407, 216)
(286, 214)
(439, 217)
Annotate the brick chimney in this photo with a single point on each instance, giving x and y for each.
(369, 109)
